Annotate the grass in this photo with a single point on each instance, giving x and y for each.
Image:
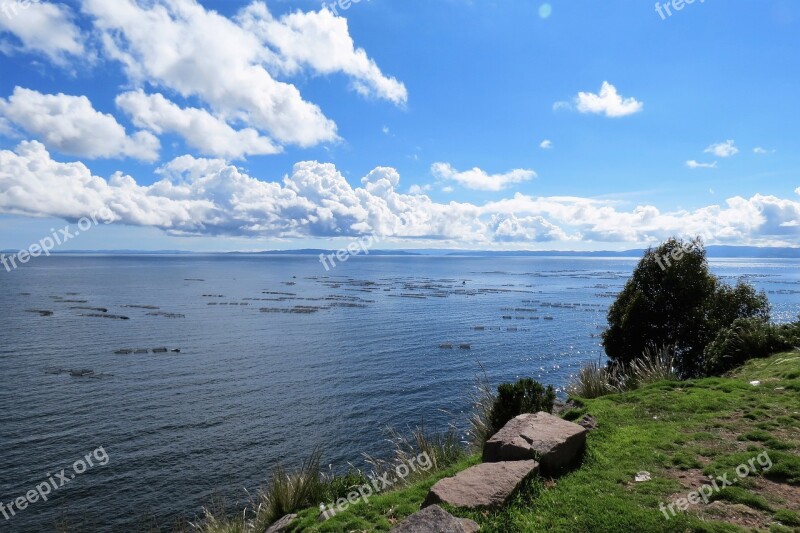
(424, 454)
(680, 432)
(595, 380)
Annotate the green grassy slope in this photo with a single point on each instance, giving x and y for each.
(680, 432)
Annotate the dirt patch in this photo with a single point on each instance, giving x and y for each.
(736, 513)
(779, 494)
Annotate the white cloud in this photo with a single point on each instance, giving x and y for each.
(481, 180)
(232, 65)
(763, 151)
(320, 41)
(694, 164)
(203, 131)
(211, 197)
(608, 102)
(546, 144)
(42, 27)
(71, 125)
(723, 149)
(179, 45)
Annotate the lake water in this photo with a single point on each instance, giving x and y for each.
(255, 385)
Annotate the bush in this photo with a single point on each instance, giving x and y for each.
(524, 396)
(672, 299)
(748, 338)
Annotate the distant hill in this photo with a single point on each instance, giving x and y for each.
(713, 252)
(717, 252)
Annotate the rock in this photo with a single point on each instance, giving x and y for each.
(642, 476)
(484, 485)
(589, 422)
(281, 525)
(434, 519)
(551, 440)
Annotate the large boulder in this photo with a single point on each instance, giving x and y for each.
(487, 485)
(551, 440)
(434, 519)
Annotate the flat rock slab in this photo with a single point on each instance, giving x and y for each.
(551, 440)
(434, 519)
(282, 525)
(484, 485)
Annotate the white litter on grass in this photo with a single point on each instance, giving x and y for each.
(642, 476)
(755, 383)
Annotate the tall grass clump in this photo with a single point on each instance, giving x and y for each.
(442, 448)
(286, 493)
(655, 364)
(482, 399)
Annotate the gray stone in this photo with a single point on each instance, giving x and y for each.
(434, 519)
(485, 485)
(281, 525)
(551, 440)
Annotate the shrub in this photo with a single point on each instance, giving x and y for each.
(748, 338)
(524, 396)
(672, 299)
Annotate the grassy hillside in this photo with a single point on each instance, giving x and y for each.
(679, 432)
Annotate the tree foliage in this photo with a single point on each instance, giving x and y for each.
(672, 299)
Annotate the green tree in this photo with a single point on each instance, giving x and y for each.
(672, 299)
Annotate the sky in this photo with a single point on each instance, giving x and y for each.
(460, 124)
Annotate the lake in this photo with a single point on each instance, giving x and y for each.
(277, 356)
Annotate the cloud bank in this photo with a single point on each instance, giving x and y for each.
(196, 196)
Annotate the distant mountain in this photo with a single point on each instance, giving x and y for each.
(713, 252)
(717, 252)
(315, 251)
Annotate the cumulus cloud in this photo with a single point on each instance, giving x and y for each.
(232, 66)
(41, 27)
(694, 164)
(202, 131)
(760, 150)
(723, 149)
(179, 45)
(479, 179)
(546, 144)
(71, 125)
(195, 196)
(319, 41)
(609, 102)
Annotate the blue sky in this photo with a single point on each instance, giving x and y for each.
(245, 125)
